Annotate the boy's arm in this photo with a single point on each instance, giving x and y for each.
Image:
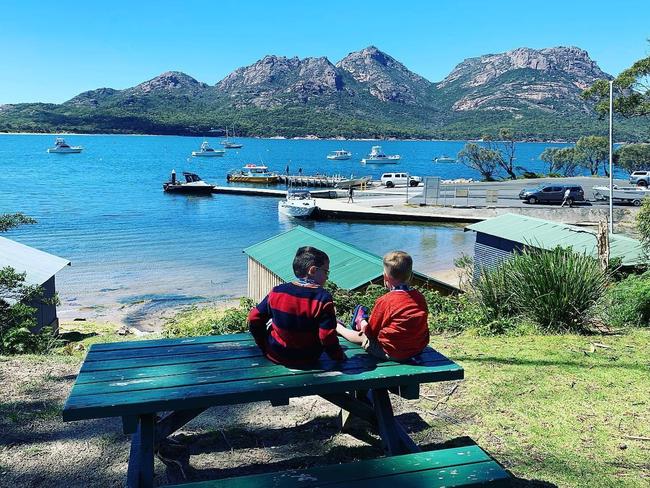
(257, 320)
(375, 321)
(327, 332)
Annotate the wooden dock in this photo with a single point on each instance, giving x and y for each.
(268, 192)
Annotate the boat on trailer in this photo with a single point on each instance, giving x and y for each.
(298, 204)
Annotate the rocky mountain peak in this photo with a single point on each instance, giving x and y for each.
(170, 81)
(569, 61)
(387, 78)
(278, 75)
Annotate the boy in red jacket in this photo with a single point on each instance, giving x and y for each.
(303, 321)
(397, 328)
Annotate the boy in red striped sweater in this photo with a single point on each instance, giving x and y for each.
(397, 328)
(303, 321)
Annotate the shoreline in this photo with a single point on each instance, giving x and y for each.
(283, 138)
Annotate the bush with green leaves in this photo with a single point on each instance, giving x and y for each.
(556, 289)
(627, 303)
(209, 321)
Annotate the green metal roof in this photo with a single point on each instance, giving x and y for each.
(544, 234)
(350, 267)
(39, 265)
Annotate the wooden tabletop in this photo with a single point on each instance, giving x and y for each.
(142, 377)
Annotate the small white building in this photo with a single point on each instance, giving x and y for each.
(39, 268)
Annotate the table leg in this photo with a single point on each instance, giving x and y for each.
(140, 472)
(393, 435)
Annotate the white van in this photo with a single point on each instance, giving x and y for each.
(391, 180)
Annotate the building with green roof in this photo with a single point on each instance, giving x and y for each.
(499, 237)
(270, 263)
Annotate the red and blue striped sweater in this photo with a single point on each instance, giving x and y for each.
(303, 324)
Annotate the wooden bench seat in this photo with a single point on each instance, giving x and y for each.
(457, 467)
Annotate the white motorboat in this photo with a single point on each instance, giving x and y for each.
(377, 156)
(298, 204)
(625, 194)
(340, 155)
(207, 152)
(60, 146)
(444, 159)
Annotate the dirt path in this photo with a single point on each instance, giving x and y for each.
(38, 449)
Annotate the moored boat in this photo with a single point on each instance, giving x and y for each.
(339, 155)
(207, 152)
(377, 156)
(252, 173)
(193, 185)
(228, 144)
(298, 204)
(60, 146)
(444, 159)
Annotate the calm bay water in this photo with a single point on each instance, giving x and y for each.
(105, 211)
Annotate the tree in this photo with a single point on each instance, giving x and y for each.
(591, 151)
(506, 148)
(633, 157)
(16, 317)
(482, 159)
(9, 221)
(631, 91)
(560, 159)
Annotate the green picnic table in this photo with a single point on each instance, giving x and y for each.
(157, 386)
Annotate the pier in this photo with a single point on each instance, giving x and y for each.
(268, 192)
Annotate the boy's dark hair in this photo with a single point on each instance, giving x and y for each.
(306, 257)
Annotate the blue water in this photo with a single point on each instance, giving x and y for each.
(105, 211)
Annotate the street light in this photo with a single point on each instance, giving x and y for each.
(611, 157)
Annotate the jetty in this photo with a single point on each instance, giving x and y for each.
(269, 192)
(335, 181)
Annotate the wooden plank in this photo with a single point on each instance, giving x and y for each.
(386, 422)
(116, 346)
(173, 421)
(173, 350)
(266, 370)
(467, 466)
(234, 392)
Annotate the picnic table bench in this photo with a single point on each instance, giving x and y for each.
(157, 386)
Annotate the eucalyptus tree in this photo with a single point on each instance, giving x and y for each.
(482, 159)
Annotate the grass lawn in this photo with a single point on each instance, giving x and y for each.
(559, 409)
(556, 408)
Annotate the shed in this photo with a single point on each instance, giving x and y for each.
(351, 268)
(499, 237)
(40, 268)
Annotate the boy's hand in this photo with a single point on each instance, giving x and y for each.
(362, 326)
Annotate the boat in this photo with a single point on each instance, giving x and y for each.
(193, 185)
(624, 194)
(252, 173)
(207, 152)
(228, 144)
(60, 146)
(377, 156)
(444, 159)
(298, 204)
(346, 183)
(340, 155)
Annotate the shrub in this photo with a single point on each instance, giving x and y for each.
(628, 303)
(557, 289)
(209, 321)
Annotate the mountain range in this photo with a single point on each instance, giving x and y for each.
(368, 93)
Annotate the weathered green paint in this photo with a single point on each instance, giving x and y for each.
(458, 467)
(176, 374)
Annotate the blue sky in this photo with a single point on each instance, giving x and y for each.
(52, 51)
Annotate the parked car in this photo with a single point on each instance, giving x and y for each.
(391, 180)
(552, 194)
(640, 178)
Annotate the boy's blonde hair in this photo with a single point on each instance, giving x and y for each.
(398, 265)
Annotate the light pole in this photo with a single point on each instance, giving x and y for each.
(611, 157)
